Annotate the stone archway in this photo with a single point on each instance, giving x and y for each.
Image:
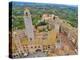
(38, 50)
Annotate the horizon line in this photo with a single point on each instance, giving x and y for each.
(44, 3)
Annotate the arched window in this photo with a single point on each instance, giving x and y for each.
(38, 50)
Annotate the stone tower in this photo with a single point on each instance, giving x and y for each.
(28, 25)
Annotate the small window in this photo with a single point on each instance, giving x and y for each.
(30, 38)
(54, 17)
(38, 46)
(35, 47)
(23, 46)
(26, 14)
(48, 46)
(31, 47)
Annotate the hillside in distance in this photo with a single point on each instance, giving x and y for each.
(66, 12)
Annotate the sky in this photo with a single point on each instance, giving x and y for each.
(67, 2)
